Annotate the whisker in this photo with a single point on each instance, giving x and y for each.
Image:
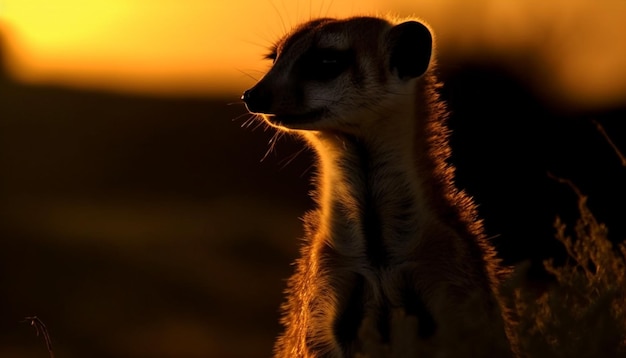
(280, 17)
(254, 119)
(307, 170)
(258, 44)
(239, 116)
(286, 161)
(249, 75)
(248, 122)
(272, 144)
(330, 4)
(282, 2)
(260, 122)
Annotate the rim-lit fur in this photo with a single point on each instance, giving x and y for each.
(395, 261)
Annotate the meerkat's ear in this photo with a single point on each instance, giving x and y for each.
(410, 48)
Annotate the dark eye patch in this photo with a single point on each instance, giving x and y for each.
(324, 64)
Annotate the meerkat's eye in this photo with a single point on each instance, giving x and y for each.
(325, 64)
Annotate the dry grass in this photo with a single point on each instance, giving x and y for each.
(583, 314)
(41, 330)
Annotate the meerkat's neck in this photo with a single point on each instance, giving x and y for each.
(373, 184)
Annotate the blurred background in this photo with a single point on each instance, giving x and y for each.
(139, 218)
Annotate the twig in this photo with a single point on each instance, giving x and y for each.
(568, 183)
(608, 139)
(40, 328)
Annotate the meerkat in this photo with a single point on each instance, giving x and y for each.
(395, 261)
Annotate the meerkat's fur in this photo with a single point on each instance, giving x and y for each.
(395, 261)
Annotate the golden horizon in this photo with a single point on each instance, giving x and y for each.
(184, 47)
(200, 48)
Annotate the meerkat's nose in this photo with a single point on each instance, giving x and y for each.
(257, 100)
(246, 95)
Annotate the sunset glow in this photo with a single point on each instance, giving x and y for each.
(205, 47)
(143, 45)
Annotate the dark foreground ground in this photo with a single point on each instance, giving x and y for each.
(149, 227)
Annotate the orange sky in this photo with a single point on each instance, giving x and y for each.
(576, 47)
(151, 45)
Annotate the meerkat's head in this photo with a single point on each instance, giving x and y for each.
(336, 75)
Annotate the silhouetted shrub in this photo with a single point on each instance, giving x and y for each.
(583, 314)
